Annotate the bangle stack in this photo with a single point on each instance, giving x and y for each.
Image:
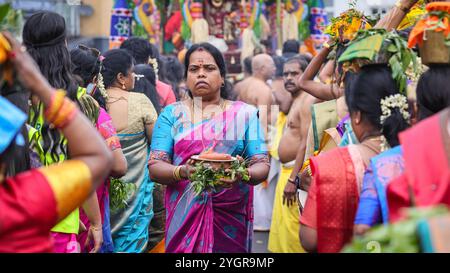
(61, 110)
(177, 173)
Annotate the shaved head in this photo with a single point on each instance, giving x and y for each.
(263, 65)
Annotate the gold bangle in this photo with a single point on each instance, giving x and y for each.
(326, 45)
(176, 173)
(179, 173)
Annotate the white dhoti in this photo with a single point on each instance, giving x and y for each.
(264, 195)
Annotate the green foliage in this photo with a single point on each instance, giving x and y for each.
(395, 52)
(11, 20)
(206, 178)
(4, 10)
(400, 237)
(119, 193)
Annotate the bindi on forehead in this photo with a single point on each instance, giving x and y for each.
(202, 56)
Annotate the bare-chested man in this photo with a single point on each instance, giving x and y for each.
(239, 86)
(257, 92)
(281, 97)
(285, 219)
(299, 115)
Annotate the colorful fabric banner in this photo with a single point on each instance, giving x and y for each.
(121, 23)
(318, 21)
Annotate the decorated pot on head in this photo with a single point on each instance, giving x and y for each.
(432, 34)
(344, 28)
(378, 46)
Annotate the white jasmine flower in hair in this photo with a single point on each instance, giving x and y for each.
(390, 103)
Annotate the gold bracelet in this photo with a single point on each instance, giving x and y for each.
(179, 173)
(176, 173)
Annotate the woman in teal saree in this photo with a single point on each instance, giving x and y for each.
(220, 220)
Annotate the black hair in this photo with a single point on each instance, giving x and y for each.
(86, 64)
(248, 65)
(147, 84)
(44, 35)
(228, 93)
(372, 84)
(17, 158)
(340, 49)
(172, 72)
(115, 61)
(308, 58)
(298, 60)
(279, 63)
(433, 91)
(140, 48)
(291, 46)
(218, 58)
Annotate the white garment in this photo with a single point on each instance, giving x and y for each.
(263, 198)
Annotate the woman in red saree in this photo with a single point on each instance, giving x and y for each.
(32, 202)
(328, 217)
(425, 182)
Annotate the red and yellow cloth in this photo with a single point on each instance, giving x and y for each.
(431, 21)
(32, 202)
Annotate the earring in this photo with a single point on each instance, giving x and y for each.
(123, 86)
(223, 84)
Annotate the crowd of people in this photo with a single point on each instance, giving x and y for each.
(96, 148)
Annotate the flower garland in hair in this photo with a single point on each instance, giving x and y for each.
(100, 81)
(391, 102)
(154, 64)
(387, 105)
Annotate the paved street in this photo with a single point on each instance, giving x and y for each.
(260, 241)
